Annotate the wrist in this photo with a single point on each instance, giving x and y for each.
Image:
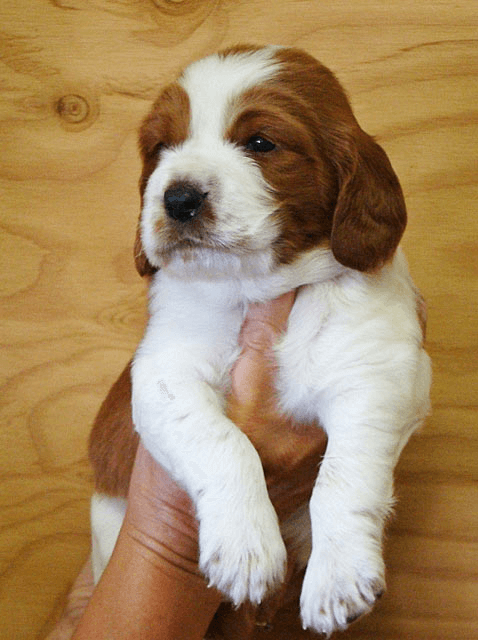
(142, 595)
(160, 518)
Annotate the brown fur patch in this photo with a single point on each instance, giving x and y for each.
(299, 174)
(113, 440)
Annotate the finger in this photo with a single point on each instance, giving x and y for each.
(265, 321)
(252, 373)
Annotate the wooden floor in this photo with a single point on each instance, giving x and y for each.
(75, 78)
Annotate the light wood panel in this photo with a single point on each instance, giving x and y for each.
(75, 78)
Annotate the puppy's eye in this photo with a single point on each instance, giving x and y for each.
(258, 144)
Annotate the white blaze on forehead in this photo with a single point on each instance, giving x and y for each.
(213, 82)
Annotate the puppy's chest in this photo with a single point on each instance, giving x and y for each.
(206, 324)
(303, 360)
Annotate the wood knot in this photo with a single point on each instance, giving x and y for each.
(73, 109)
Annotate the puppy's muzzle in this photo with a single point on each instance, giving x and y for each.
(183, 202)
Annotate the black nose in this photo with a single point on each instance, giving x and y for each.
(183, 202)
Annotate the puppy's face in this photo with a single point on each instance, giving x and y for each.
(254, 156)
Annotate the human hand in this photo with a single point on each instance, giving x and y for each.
(290, 452)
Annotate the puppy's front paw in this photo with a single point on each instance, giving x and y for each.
(243, 557)
(340, 585)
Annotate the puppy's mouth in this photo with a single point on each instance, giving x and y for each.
(193, 240)
(190, 247)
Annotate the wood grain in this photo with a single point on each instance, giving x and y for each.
(75, 78)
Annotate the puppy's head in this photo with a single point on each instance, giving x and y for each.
(254, 156)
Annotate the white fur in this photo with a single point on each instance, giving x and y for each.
(213, 83)
(107, 516)
(351, 358)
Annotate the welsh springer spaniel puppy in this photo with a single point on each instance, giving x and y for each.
(257, 179)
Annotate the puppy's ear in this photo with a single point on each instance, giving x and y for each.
(370, 214)
(148, 146)
(166, 125)
(143, 265)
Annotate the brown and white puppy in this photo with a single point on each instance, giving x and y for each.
(257, 179)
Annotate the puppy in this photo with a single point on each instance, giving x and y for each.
(257, 179)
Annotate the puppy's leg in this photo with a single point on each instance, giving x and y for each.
(107, 516)
(345, 572)
(181, 422)
(367, 429)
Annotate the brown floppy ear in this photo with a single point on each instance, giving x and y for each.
(370, 214)
(166, 125)
(149, 144)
